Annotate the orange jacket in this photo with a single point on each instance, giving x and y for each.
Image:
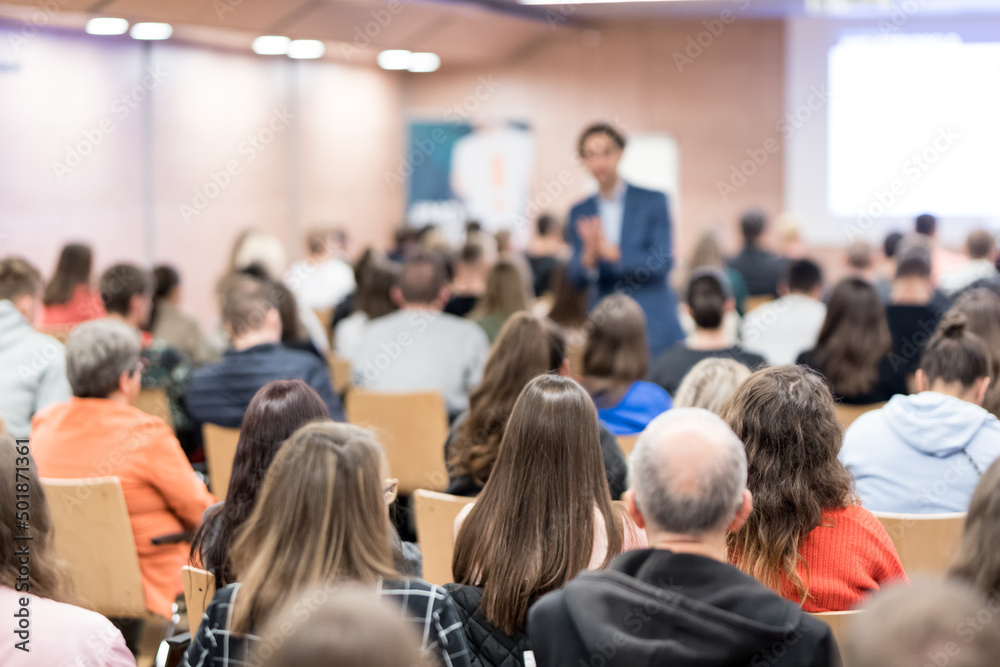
(96, 437)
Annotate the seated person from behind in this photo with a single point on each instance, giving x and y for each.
(975, 561)
(615, 359)
(469, 282)
(900, 453)
(34, 364)
(980, 247)
(420, 348)
(545, 251)
(98, 433)
(761, 270)
(220, 393)
(708, 298)
(853, 349)
(680, 597)
(781, 330)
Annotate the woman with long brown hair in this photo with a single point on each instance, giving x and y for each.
(544, 515)
(34, 584)
(69, 297)
(978, 560)
(527, 346)
(505, 295)
(981, 308)
(807, 538)
(853, 348)
(322, 518)
(615, 362)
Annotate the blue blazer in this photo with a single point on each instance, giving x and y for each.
(646, 260)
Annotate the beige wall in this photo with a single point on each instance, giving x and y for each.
(728, 100)
(323, 164)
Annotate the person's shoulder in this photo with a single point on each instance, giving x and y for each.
(751, 360)
(646, 193)
(416, 592)
(650, 392)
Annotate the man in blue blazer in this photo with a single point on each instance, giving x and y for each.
(621, 239)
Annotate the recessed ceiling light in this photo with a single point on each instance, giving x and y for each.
(107, 26)
(271, 45)
(424, 62)
(151, 31)
(306, 48)
(395, 59)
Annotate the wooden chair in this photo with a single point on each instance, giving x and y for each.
(155, 402)
(412, 428)
(436, 513)
(325, 317)
(92, 533)
(627, 443)
(925, 542)
(846, 414)
(340, 373)
(839, 622)
(220, 450)
(752, 302)
(199, 589)
(574, 353)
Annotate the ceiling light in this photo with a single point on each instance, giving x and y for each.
(395, 59)
(151, 31)
(107, 26)
(306, 48)
(271, 45)
(424, 62)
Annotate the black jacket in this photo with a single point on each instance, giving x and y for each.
(655, 607)
(488, 645)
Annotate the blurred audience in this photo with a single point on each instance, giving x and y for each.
(69, 297)
(418, 347)
(220, 393)
(915, 307)
(781, 330)
(545, 251)
(568, 308)
(504, 296)
(981, 308)
(680, 598)
(708, 254)
(323, 278)
(899, 454)
(978, 559)
(709, 383)
(785, 417)
(34, 364)
(373, 300)
(760, 268)
(544, 515)
(980, 248)
(169, 323)
(615, 363)
(943, 261)
(469, 282)
(98, 433)
(708, 298)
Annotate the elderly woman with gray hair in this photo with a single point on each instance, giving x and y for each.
(98, 433)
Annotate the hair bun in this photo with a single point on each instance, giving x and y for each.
(953, 325)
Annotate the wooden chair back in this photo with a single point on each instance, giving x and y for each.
(340, 373)
(846, 414)
(757, 301)
(199, 589)
(925, 542)
(412, 428)
(154, 402)
(839, 622)
(220, 450)
(325, 317)
(92, 533)
(435, 514)
(627, 443)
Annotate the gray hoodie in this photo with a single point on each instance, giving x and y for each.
(32, 371)
(922, 453)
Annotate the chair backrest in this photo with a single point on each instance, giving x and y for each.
(925, 542)
(436, 513)
(340, 372)
(154, 402)
(325, 317)
(574, 354)
(220, 450)
(838, 622)
(412, 428)
(92, 533)
(627, 443)
(757, 301)
(199, 589)
(846, 414)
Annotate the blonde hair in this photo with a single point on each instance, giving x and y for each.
(709, 383)
(321, 518)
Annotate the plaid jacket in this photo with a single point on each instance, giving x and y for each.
(427, 606)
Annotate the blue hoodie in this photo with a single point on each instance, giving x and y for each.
(922, 453)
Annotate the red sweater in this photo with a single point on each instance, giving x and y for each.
(848, 555)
